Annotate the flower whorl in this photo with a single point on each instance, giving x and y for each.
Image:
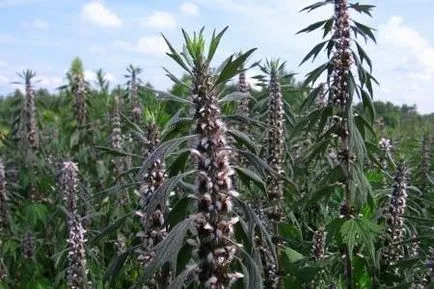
(152, 179)
(116, 137)
(28, 246)
(79, 91)
(340, 96)
(136, 110)
(77, 271)
(243, 87)
(425, 165)
(32, 133)
(275, 145)
(214, 185)
(4, 212)
(342, 55)
(385, 145)
(68, 184)
(318, 244)
(116, 143)
(394, 217)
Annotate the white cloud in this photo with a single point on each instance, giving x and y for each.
(90, 76)
(189, 9)
(37, 24)
(4, 79)
(110, 77)
(98, 49)
(49, 81)
(404, 64)
(153, 45)
(419, 53)
(11, 3)
(159, 19)
(97, 13)
(6, 38)
(3, 63)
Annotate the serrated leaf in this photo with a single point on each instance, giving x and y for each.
(244, 139)
(313, 26)
(252, 176)
(117, 152)
(116, 265)
(234, 96)
(179, 281)
(366, 31)
(111, 228)
(164, 95)
(316, 5)
(175, 56)
(293, 255)
(314, 52)
(364, 56)
(232, 67)
(215, 41)
(314, 74)
(167, 250)
(362, 8)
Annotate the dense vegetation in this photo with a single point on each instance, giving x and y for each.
(215, 184)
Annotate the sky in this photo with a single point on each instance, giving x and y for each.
(45, 35)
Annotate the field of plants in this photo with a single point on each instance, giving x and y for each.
(215, 183)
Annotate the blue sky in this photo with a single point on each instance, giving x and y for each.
(45, 35)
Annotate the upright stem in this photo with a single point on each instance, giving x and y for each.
(275, 156)
(341, 99)
(214, 185)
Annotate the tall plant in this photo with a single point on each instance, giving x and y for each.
(345, 56)
(77, 267)
(133, 84)
(79, 89)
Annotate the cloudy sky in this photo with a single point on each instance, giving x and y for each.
(45, 35)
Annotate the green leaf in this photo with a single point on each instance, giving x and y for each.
(368, 104)
(116, 265)
(178, 165)
(362, 232)
(310, 99)
(251, 176)
(313, 26)
(314, 52)
(293, 255)
(232, 67)
(175, 56)
(316, 5)
(75, 139)
(163, 149)
(364, 56)
(243, 139)
(252, 280)
(362, 8)
(159, 197)
(234, 96)
(179, 212)
(314, 74)
(253, 222)
(215, 41)
(164, 95)
(328, 27)
(117, 152)
(111, 228)
(167, 250)
(365, 31)
(178, 282)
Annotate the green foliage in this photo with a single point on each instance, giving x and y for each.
(317, 180)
